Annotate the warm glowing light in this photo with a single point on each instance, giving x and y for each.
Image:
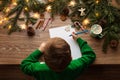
(97, 1)
(27, 0)
(5, 19)
(9, 27)
(86, 22)
(14, 3)
(72, 3)
(26, 8)
(7, 10)
(36, 15)
(48, 8)
(97, 14)
(1, 21)
(23, 26)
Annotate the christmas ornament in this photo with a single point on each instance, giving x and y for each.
(96, 30)
(63, 18)
(82, 11)
(30, 31)
(64, 14)
(114, 43)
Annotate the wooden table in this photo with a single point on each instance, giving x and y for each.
(15, 47)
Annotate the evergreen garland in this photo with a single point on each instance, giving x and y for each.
(98, 11)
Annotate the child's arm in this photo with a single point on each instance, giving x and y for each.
(88, 56)
(29, 64)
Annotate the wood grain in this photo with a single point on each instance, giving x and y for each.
(15, 47)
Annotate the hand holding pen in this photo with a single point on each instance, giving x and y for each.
(80, 32)
(74, 36)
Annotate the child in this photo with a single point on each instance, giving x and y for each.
(58, 63)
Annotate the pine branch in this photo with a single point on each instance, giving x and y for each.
(14, 25)
(4, 3)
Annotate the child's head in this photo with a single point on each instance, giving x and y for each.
(57, 54)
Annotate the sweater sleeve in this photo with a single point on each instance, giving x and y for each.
(28, 63)
(88, 56)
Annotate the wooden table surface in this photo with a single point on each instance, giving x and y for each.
(15, 47)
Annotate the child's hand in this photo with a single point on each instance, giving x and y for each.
(42, 47)
(74, 36)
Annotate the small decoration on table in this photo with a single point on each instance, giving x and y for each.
(114, 43)
(78, 25)
(96, 31)
(41, 21)
(64, 14)
(63, 18)
(47, 22)
(30, 31)
(82, 11)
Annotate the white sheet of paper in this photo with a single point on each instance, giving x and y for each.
(64, 34)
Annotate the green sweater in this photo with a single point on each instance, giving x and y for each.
(41, 71)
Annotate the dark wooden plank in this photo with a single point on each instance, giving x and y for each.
(95, 72)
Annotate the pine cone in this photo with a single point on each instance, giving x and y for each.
(114, 43)
(30, 31)
(63, 17)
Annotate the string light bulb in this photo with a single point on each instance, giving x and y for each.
(36, 15)
(14, 2)
(97, 1)
(97, 14)
(48, 8)
(7, 10)
(86, 21)
(27, 1)
(5, 19)
(26, 8)
(1, 21)
(9, 27)
(23, 26)
(72, 3)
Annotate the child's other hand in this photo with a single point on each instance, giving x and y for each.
(74, 36)
(42, 47)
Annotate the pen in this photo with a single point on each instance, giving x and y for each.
(84, 31)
